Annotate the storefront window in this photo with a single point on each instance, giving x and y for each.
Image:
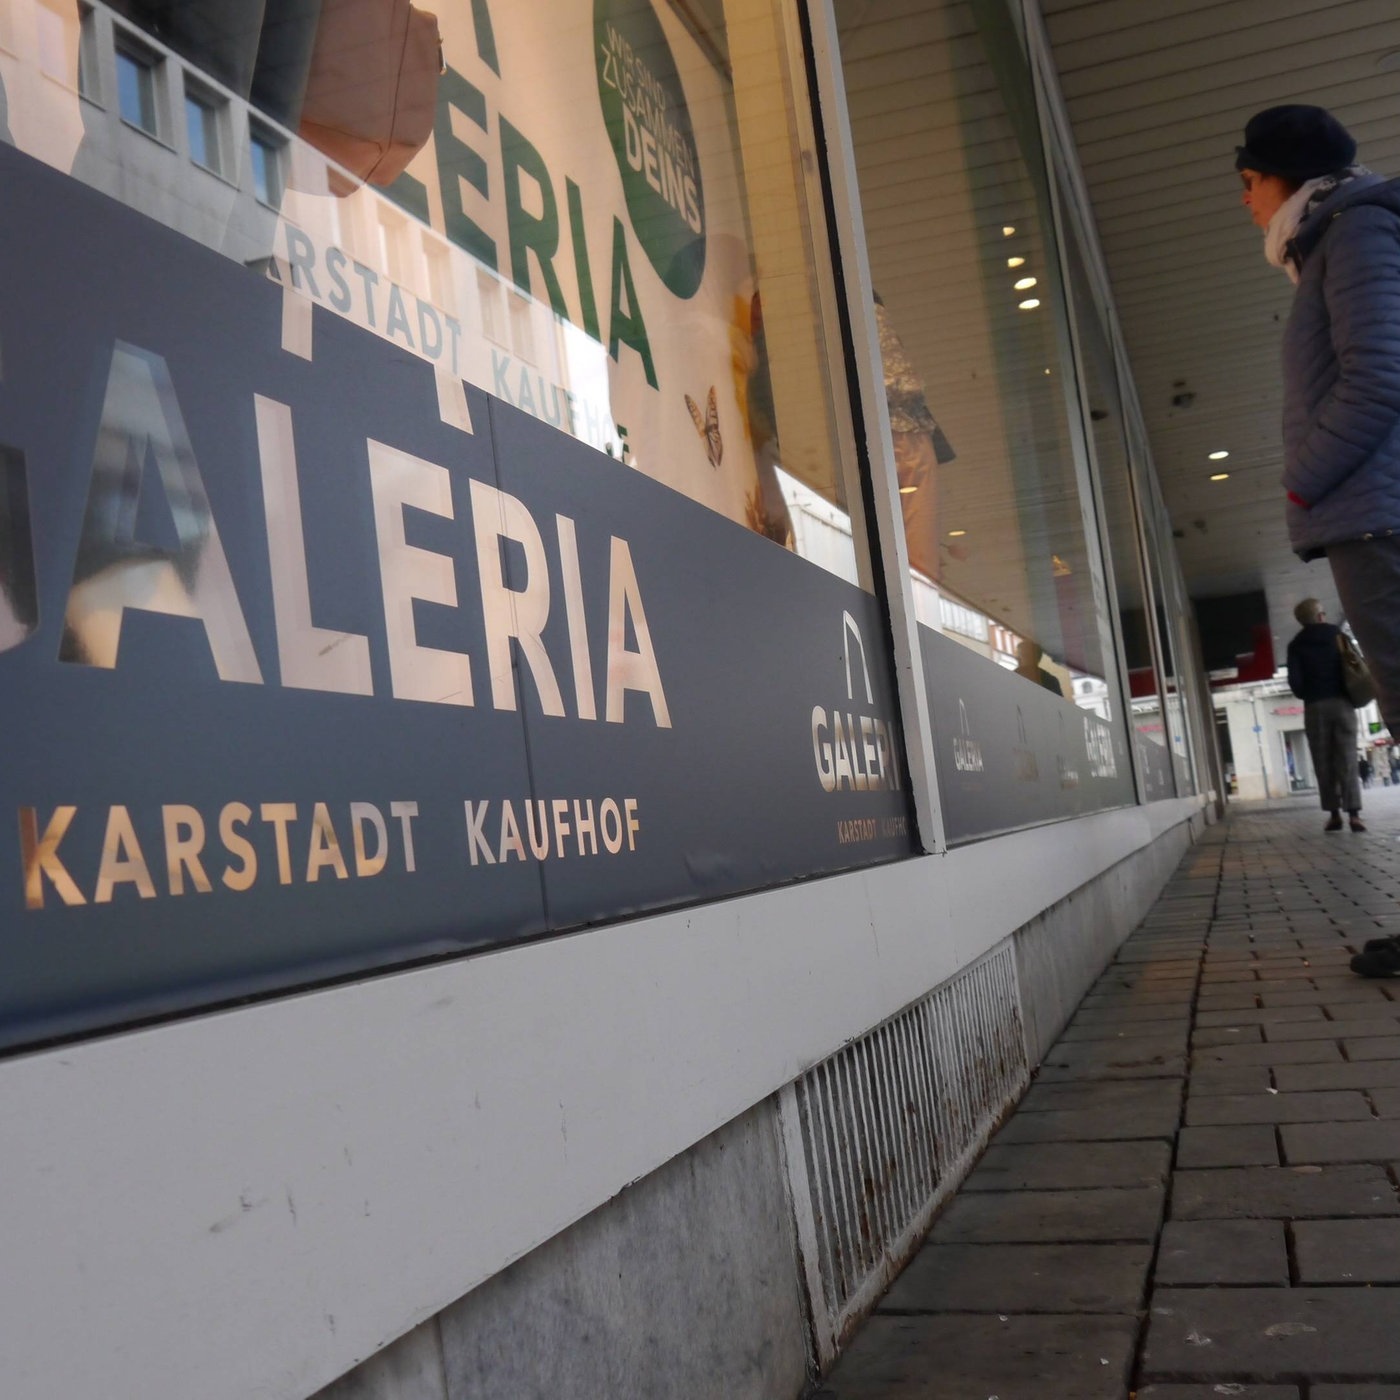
(1119, 497)
(625, 176)
(988, 441)
(426, 510)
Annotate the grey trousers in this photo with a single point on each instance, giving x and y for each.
(1331, 730)
(1367, 575)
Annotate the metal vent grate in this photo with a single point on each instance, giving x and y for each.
(878, 1133)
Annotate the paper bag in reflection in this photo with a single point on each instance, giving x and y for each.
(371, 94)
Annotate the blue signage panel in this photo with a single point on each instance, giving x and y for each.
(1009, 752)
(299, 680)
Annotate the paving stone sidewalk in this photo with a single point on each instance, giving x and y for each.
(1197, 1196)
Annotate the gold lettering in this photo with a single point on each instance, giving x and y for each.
(234, 815)
(184, 840)
(40, 857)
(122, 861)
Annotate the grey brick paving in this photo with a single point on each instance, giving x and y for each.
(1282, 1193)
(1271, 1334)
(1043, 1217)
(957, 1356)
(1066, 1166)
(1196, 1198)
(1248, 1145)
(1048, 1278)
(1223, 1251)
(1347, 1251)
(1374, 1141)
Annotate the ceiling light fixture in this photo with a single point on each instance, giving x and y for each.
(1015, 262)
(1007, 230)
(1029, 304)
(1025, 284)
(1219, 456)
(956, 534)
(1220, 476)
(907, 490)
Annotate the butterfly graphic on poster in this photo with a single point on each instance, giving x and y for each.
(707, 426)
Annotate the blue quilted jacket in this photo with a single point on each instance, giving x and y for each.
(1341, 370)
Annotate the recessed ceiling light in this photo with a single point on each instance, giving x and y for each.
(1029, 304)
(907, 490)
(1219, 456)
(1015, 262)
(956, 534)
(1007, 230)
(1025, 284)
(1220, 476)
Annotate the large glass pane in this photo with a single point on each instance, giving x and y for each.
(619, 183)
(404, 554)
(988, 440)
(1118, 496)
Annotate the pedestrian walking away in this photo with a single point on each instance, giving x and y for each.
(1329, 719)
(1333, 227)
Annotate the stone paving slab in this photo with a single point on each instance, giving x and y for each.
(1326, 1107)
(1268, 1334)
(1374, 1141)
(1024, 1278)
(1282, 1193)
(1210, 1037)
(1215, 1392)
(1062, 1166)
(1224, 1252)
(1354, 1392)
(1128, 1095)
(1298, 1052)
(1347, 1251)
(1172, 1067)
(1229, 1079)
(1259, 1017)
(958, 1356)
(1177, 1030)
(1333, 1030)
(1368, 1074)
(1112, 1122)
(1375, 1048)
(1119, 1213)
(1248, 1145)
(1143, 1052)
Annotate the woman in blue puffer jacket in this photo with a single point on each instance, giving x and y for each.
(1334, 228)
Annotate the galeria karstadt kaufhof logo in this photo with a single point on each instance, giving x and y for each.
(855, 750)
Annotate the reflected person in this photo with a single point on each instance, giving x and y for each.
(1028, 654)
(1315, 676)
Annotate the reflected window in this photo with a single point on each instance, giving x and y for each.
(136, 90)
(203, 128)
(266, 154)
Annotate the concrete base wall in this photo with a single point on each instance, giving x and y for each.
(688, 1283)
(684, 1285)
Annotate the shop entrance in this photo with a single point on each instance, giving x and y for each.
(1298, 761)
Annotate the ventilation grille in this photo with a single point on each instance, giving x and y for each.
(879, 1132)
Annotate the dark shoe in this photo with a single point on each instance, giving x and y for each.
(1380, 962)
(1335, 824)
(1372, 944)
(1357, 824)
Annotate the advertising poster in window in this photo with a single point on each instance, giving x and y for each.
(356, 607)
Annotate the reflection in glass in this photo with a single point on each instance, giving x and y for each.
(136, 91)
(971, 314)
(202, 128)
(596, 210)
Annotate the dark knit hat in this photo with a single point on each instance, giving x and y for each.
(1296, 142)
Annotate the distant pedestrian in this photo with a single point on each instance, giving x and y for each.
(1334, 227)
(1364, 770)
(1329, 719)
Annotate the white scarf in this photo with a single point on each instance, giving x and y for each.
(1284, 225)
(1281, 228)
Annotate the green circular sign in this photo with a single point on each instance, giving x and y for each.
(648, 122)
